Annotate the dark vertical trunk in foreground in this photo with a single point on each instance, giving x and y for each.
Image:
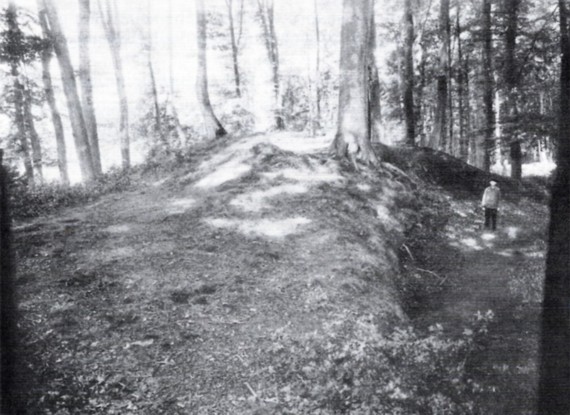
(9, 381)
(554, 384)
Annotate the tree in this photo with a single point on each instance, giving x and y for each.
(511, 84)
(440, 130)
(266, 11)
(488, 87)
(14, 52)
(409, 110)
(353, 135)
(554, 384)
(46, 57)
(213, 128)
(86, 84)
(110, 19)
(78, 126)
(235, 40)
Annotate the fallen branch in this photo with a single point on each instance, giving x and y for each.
(408, 251)
(252, 391)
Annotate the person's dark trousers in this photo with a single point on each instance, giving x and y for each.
(490, 218)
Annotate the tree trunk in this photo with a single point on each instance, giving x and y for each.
(488, 87)
(234, 46)
(213, 127)
(554, 384)
(439, 134)
(110, 20)
(409, 110)
(266, 12)
(316, 124)
(85, 83)
(352, 140)
(70, 89)
(462, 151)
(50, 98)
(158, 131)
(33, 136)
(511, 81)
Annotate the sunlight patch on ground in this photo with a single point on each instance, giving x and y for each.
(300, 144)
(176, 206)
(471, 243)
(363, 187)
(320, 174)
(488, 236)
(512, 232)
(385, 216)
(276, 228)
(230, 170)
(256, 201)
(123, 228)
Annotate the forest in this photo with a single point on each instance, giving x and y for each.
(274, 207)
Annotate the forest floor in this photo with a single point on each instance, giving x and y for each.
(204, 291)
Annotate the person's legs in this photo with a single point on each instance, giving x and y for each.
(487, 218)
(493, 214)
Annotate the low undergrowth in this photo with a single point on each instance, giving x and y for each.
(353, 368)
(30, 202)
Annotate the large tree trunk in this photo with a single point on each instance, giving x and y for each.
(70, 88)
(440, 129)
(409, 109)
(266, 12)
(110, 19)
(213, 127)
(85, 82)
(554, 384)
(352, 140)
(50, 98)
(488, 87)
(512, 81)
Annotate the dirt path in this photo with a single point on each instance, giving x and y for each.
(496, 272)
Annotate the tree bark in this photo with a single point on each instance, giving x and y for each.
(439, 134)
(266, 12)
(316, 124)
(409, 109)
(488, 87)
(352, 140)
(212, 126)
(70, 88)
(234, 47)
(86, 84)
(34, 138)
(512, 81)
(462, 150)
(110, 18)
(554, 383)
(374, 93)
(50, 98)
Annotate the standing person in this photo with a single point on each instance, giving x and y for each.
(491, 200)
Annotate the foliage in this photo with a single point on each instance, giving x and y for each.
(353, 368)
(30, 202)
